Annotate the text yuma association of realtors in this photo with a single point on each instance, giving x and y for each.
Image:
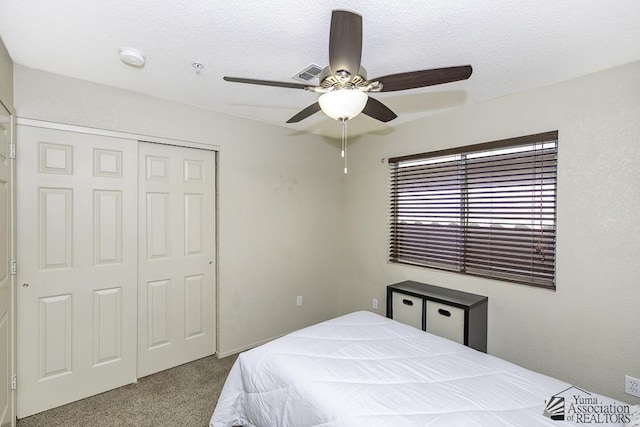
(590, 410)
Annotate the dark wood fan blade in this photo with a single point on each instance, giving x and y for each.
(310, 110)
(265, 82)
(422, 78)
(345, 42)
(378, 110)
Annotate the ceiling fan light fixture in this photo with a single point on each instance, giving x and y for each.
(343, 104)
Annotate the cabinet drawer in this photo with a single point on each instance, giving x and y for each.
(445, 321)
(407, 309)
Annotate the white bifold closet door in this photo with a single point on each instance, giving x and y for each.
(77, 264)
(116, 274)
(176, 271)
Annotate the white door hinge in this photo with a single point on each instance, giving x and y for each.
(14, 267)
(12, 151)
(14, 382)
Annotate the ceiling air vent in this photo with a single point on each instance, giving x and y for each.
(309, 73)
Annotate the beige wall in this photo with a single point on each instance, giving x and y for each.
(281, 208)
(279, 199)
(6, 77)
(588, 331)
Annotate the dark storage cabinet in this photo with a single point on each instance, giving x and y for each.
(456, 315)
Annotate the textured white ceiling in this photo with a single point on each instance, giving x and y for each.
(512, 45)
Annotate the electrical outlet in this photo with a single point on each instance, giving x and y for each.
(375, 304)
(632, 386)
(299, 301)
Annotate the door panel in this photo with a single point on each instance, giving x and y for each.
(7, 415)
(176, 286)
(78, 258)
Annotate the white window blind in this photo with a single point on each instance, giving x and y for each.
(487, 209)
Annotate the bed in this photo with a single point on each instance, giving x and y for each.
(363, 369)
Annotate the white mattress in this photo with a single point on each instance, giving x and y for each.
(363, 369)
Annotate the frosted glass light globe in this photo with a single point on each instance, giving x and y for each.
(343, 103)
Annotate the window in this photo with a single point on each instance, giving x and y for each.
(487, 209)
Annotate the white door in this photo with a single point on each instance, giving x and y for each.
(7, 415)
(176, 283)
(77, 261)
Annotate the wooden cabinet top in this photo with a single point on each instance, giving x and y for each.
(437, 293)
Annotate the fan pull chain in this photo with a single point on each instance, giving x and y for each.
(344, 143)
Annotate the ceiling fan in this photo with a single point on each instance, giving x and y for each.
(345, 80)
(344, 84)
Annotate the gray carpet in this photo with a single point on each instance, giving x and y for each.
(181, 396)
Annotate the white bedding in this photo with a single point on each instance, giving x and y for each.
(363, 369)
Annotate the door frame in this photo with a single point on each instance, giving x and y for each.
(115, 134)
(135, 138)
(13, 355)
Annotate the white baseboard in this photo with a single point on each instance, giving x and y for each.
(224, 354)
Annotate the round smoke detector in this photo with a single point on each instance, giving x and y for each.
(131, 56)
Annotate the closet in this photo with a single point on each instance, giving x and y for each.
(116, 256)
